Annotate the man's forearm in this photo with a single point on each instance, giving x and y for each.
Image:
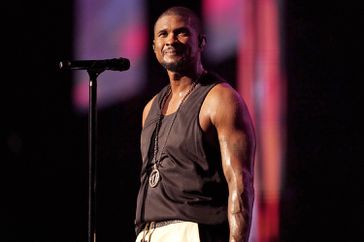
(239, 225)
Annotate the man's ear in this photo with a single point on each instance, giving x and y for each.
(153, 46)
(201, 41)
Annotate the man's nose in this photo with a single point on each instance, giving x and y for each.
(171, 39)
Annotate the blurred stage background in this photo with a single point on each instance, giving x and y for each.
(291, 61)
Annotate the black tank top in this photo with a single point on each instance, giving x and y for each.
(192, 185)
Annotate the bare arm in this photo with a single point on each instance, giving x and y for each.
(237, 144)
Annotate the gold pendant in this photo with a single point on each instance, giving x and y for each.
(154, 177)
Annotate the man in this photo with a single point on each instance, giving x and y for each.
(197, 145)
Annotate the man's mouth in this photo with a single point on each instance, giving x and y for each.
(170, 51)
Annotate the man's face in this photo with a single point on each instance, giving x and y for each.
(176, 43)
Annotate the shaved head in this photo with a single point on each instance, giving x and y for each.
(185, 13)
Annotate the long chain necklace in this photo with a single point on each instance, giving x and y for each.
(154, 176)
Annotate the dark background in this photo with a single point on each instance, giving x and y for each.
(44, 164)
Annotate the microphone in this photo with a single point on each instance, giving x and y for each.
(115, 64)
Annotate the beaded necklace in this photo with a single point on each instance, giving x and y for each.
(154, 176)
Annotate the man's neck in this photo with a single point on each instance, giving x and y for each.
(180, 82)
(185, 77)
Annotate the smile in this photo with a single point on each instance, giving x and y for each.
(170, 51)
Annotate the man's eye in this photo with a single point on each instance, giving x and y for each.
(162, 34)
(183, 33)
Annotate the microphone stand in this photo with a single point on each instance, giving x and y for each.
(92, 119)
(94, 69)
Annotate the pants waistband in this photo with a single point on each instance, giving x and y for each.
(157, 224)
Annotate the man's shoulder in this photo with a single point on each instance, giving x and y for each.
(223, 96)
(150, 101)
(223, 89)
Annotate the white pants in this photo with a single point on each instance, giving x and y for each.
(176, 232)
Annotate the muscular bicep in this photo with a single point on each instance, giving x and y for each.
(234, 155)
